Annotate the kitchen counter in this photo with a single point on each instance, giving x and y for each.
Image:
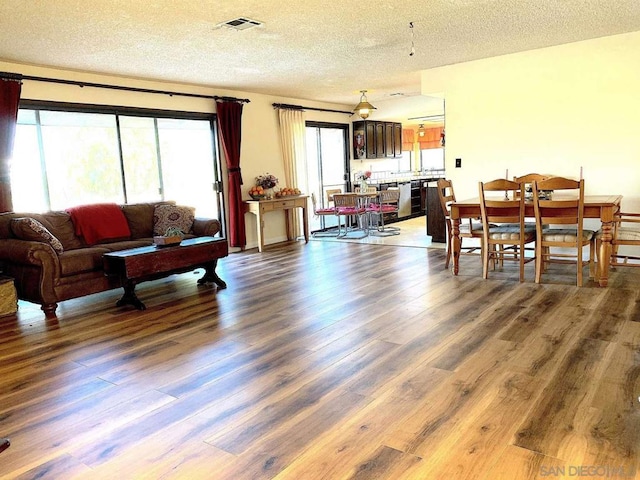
(407, 177)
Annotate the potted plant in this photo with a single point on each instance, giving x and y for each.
(173, 236)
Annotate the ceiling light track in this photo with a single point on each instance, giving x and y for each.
(429, 117)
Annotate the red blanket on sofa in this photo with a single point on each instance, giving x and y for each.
(99, 221)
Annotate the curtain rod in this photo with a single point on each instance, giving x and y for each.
(299, 107)
(17, 76)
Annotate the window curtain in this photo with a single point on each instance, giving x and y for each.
(230, 128)
(407, 140)
(9, 99)
(292, 140)
(432, 138)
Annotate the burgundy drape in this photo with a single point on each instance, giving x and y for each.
(230, 127)
(9, 100)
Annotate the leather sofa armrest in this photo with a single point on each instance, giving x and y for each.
(26, 252)
(20, 257)
(206, 227)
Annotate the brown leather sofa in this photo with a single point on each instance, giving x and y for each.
(46, 277)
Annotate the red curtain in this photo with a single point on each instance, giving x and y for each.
(230, 127)
(9, 100)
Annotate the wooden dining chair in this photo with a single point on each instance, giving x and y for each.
(567, 213)
(626, 233)
(505, 233)
(348, 206)
(467, 230)
(528, 180)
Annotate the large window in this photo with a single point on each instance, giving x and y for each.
(65, 157)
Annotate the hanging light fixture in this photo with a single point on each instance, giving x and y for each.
(364, 107)
(421, 130)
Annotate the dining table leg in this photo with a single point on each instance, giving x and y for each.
(456, 244)
(605, 253)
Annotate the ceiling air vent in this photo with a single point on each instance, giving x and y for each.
(241, 23)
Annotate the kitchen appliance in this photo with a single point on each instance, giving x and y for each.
(404, 205)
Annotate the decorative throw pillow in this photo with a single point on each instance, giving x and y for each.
(26, 228)
(172, 216)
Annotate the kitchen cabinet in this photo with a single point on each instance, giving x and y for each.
(375, 139)
(389, 147)
(397, 139)
(380, 140)
(436, 223)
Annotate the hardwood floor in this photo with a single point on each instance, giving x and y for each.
(329, 361)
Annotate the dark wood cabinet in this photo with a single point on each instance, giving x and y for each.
(436, 224)
(397, 139)
(373, 139)
(388, 140)
(370, 139)
(380, 143)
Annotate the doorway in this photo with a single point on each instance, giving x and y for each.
(327, 166)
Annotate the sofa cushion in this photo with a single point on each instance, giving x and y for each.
(61, 226)
(140, 219)
(81, 260)
(172, 216)
(26, 228)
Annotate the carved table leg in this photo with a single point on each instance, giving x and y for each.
(129, 297)
(605, 253)
(210, 275)
(456, 244)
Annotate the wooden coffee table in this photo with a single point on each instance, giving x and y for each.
(150, 263)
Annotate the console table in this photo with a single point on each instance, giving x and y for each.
(284, 204)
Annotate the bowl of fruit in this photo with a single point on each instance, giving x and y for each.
(288, 192)
(257, 192)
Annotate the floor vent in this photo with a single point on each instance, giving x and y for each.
(241, 23)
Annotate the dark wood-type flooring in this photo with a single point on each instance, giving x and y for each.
(329, 361)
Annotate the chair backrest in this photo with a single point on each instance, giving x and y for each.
(345, 200)
(558, 210)
(369, 190)
(446, 195)
(330, 192)
(529, 178)
(505, 206)
(389, 196)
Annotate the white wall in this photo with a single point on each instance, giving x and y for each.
(261, 151)
(550, 110)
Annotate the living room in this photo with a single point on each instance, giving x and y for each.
(343, 360)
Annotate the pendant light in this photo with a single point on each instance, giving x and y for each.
(364, 107)
(421, 130)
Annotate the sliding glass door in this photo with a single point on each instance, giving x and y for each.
(327, 165)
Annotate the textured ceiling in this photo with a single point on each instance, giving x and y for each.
(315, 49)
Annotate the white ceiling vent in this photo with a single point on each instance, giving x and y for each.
(241, 23)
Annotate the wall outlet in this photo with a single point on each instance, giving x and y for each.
(458, 163)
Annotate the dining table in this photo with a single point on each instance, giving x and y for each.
(603, 207)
